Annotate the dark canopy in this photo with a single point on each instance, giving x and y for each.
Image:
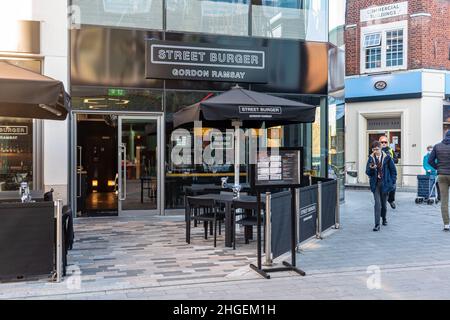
(250, 107)
(26, 94)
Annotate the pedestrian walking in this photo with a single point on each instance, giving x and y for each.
(382, 174)
(441, 153)
(388, 150)
(430, 171)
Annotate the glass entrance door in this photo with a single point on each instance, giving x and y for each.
(139, 165)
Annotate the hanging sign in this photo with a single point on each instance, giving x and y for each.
(169, 60)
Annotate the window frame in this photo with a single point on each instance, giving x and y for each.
(383, 29)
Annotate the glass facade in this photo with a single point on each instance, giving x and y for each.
(287, 19)
(292, 20)
(18, 141)
(208, 16)
(142, 14)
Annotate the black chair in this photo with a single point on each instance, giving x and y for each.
(248, 219)
(205, 210)
(48, 196)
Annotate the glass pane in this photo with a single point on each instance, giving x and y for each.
(16, 153)
(291, 19)
(145, 14)
(208, 16)
(447, 114)
(372, 40)
(140, 138)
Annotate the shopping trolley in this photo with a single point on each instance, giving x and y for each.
(426, 189)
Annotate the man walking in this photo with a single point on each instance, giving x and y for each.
(387, 149)
(441, 153)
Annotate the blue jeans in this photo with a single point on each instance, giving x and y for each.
(380, 208)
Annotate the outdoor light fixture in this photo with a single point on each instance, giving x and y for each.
(111, 183)
(95, 183)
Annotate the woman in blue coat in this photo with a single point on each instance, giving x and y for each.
(382, 174)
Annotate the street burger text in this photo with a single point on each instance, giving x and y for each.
(199, 62)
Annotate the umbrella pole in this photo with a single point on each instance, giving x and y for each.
(237, 150)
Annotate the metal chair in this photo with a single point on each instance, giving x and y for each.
(205, 210)
(248, 220)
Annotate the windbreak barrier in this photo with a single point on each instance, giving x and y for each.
(328, 204)
(315, 214)
(281, 223)
(308, 213)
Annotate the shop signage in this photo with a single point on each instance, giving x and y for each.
(187, 61)
(380, 85)
(386, 11)
(384, 124)
(13, 130)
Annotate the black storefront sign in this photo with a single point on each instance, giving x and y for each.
(170, 60)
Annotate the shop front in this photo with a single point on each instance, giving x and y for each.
(128, 81)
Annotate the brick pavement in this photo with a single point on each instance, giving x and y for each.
(410, 257)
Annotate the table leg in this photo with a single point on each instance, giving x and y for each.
(228, 226)
(142, 190)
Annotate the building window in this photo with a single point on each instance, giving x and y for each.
(384, 47)
(394, 48)
(16, 153)
(20, 139)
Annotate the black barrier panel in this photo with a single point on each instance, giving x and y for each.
(281, 223)
(315, 180)
(329, 194)
(26, 239)
(308, 212)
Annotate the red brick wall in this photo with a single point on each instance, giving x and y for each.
(428, 37)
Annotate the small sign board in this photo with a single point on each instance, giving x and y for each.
(279, 169)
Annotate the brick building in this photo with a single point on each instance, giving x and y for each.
(397, 80)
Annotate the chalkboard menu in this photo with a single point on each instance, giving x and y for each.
(279, 169)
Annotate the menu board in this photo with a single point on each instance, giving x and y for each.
(283, 168)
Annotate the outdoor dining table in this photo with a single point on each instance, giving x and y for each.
(227, 200)
(14, 196)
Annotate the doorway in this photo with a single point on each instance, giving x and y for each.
(394, 138)
(117, 165)
(139, 173)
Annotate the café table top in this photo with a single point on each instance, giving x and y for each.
(227, 197)
(13, 196)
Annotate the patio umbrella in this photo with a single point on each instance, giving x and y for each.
(243, 108)
(26, 94)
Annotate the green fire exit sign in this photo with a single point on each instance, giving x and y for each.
(115, 92)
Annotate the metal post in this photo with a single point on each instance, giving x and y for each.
(297, 217)
(338, 213)
(310, 180)
(319, 211)
(58, 212)
(268, 236)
